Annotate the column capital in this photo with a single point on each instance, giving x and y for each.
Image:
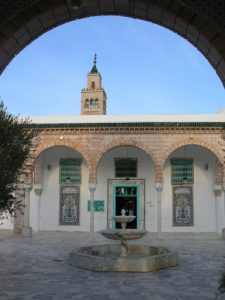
(37, 189)
(158, 186)
(92, 186)
(28, 187)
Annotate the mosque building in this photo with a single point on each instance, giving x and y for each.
(167, 170)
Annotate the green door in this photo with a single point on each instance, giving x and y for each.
(127, 197)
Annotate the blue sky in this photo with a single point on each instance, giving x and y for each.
(146, 69)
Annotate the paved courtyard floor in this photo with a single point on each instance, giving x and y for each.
(37, 268)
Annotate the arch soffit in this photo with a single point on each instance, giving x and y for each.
(192, 26)
(193, 142)
(129, 143)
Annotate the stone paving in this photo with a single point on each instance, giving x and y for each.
(37, 269)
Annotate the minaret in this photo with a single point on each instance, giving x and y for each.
(93, 98)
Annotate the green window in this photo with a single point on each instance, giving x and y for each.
(126, 167)
(70, 171)
(182, 171)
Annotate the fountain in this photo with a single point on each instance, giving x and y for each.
(123, 257)
(123, 235)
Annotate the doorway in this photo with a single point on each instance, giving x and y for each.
(126, 197)
(123, 195)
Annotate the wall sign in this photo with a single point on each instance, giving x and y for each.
(98, 205)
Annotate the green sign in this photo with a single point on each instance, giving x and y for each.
(98, 205)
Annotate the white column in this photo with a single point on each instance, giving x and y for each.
(27, 230)
(217, 194)
(92, 188)
(159, 188)
(38, 191)
(223, 215)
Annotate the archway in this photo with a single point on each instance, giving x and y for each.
(192, 194)
(59, 194)
(198, 22)
(126, 179)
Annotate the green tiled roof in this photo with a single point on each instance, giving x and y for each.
(94, 70)
(131, 125)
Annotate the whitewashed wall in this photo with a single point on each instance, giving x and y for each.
(206, 207)
(204, 200)
(50, 197)
(48, 202)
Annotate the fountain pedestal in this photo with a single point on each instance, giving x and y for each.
(122, 234)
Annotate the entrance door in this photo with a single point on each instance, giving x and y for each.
(126, 197)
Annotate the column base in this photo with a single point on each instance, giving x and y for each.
(27, 231)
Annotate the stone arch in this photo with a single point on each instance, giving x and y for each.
(197, 142)
(126, 142)
(76, 147)
(201, 24)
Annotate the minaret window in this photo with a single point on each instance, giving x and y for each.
(96, 103)
(91, 103)
(86, 104)
(93, 85)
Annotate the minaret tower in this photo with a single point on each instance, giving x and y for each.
(93, 98)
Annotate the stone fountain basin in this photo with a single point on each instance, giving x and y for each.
(106, 258)
(123, 219)
(120, 234)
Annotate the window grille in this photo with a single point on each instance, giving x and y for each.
(86, 104)
(96, 103)
(126, 167)
(70, 171)
(91, 103)
(182, 171)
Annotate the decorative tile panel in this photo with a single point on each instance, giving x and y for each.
(69, 205)
(182, 206)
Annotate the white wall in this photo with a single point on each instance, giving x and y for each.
(203, 196)
(50, 197)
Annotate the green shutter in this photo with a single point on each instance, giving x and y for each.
(126, 167)
(182, 171)
(70, 171)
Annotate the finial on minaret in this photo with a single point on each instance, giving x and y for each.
(94, 68)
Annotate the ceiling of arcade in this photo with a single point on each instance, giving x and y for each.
(202, 22)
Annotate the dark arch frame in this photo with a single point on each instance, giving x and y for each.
(203, 25)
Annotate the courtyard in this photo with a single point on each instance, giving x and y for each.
(37, 269)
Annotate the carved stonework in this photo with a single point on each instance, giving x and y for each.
(218, 173)
(217, 191)
(37, 189)
(37, 173)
